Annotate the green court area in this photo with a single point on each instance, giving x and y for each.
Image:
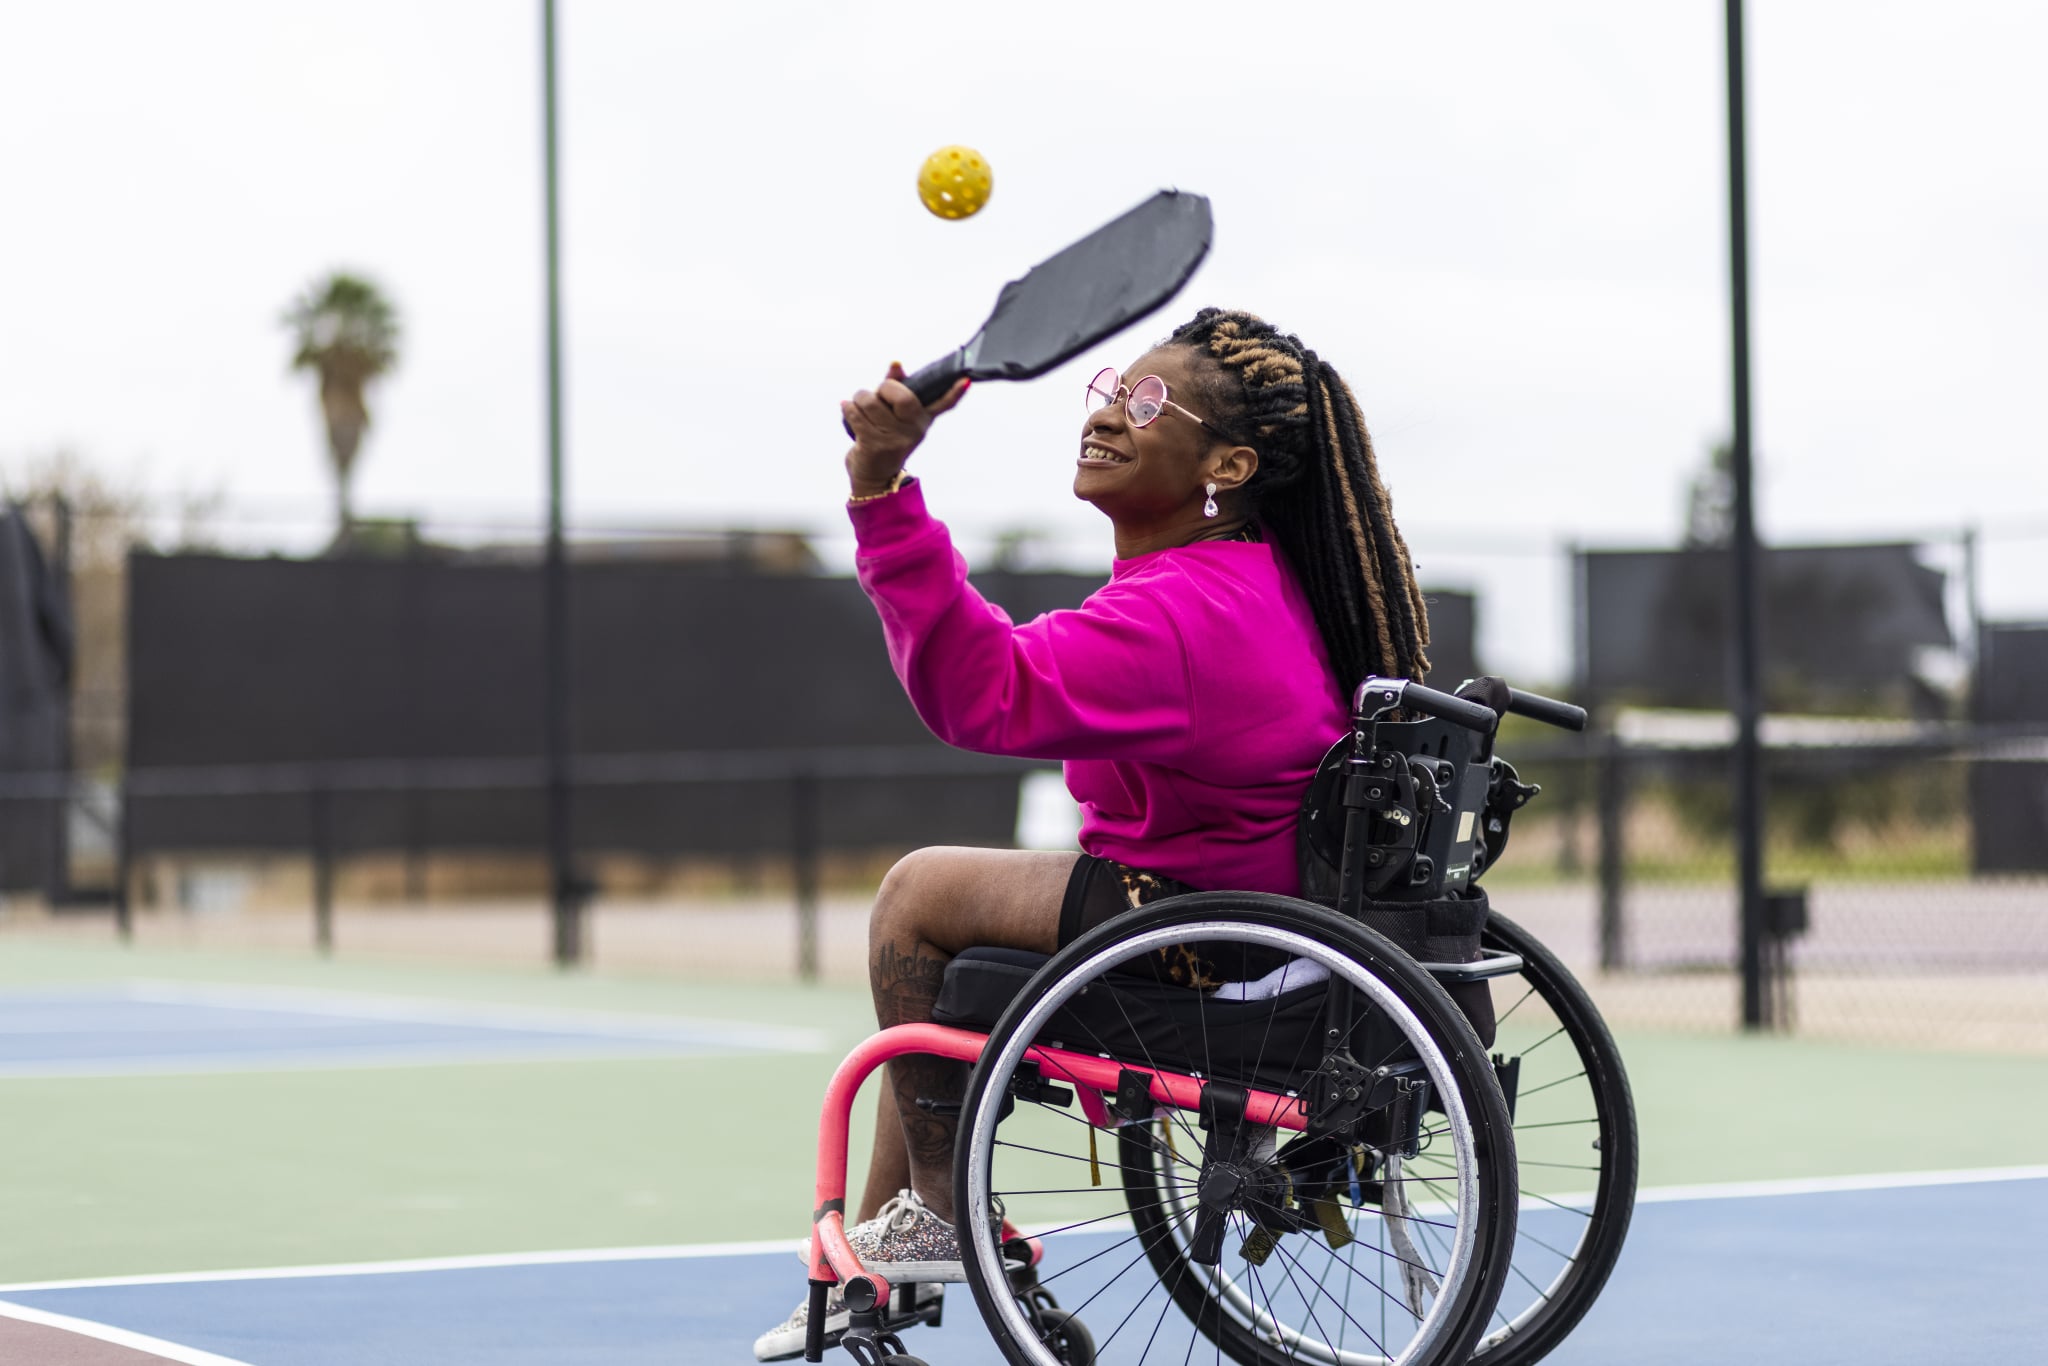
(283, 1164)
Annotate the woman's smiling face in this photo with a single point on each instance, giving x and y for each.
(1140, 476)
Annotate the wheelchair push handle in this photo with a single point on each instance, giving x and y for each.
(1548, 710)
(1378, 696)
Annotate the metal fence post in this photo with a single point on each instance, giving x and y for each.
(803, 848)
(1612, 800)
(569, 888)
(124, 912)
(57, 881)
(323, 870)
(1973, 612)
(1746, 637)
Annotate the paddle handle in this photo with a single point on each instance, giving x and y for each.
(931, 383)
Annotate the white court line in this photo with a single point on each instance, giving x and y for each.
(1731, 1190)
(120, 1337)
(1808, 1185)
(484, 1015)
(596, 1026)
(342, 1060)
(482, 1261)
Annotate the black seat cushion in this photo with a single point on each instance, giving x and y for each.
(1270, 1044)
(981, 983)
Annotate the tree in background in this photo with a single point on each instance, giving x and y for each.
(345, 331)
(1710, 502)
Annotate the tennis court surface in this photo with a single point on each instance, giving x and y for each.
(1917, 1268)
(380, 1149)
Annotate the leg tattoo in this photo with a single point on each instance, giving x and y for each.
(906, 986)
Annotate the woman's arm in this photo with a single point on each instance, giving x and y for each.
(1106, 681)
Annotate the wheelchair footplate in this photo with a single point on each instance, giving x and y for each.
(874, 1335)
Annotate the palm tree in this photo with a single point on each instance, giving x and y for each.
(347, 332)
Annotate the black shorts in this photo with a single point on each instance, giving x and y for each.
(1101, 889)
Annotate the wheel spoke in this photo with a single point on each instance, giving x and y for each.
(1048, 1280)
(1111, 1281)
(1541, 1293)
(1503, 1019)
(1539, 1195)
(1560, 1166)
(1377, 1345)
(1069, 1157)
(1280, 1335)
(1116, 998)
(1523, 1233)
(1524, 1095)
(1557, 1123)
(1099, 1219)
(1103, 1346)
(1180, 1271)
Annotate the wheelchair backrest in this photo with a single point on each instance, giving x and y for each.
(1428, 847)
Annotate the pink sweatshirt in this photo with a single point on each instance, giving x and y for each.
(1190, 697)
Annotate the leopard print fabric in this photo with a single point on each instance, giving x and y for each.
(1180, 964)
(1102, 889)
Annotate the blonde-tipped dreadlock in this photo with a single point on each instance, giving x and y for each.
(1317, 490)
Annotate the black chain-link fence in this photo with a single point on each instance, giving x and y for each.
(1908, 871)
(1909, 867)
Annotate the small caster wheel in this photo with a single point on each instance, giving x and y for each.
(1067, 1336)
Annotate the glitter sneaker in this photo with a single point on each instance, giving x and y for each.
(786, 1339)
(905, 1241)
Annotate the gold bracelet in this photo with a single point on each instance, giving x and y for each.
(903, 478)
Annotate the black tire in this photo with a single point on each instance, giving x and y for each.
(1223, 1301)
(1545, 1296)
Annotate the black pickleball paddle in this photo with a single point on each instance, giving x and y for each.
(1121, 272)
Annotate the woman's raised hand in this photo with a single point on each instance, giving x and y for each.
(887, 423)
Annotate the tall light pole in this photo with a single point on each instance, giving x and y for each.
(1746, 652)
(566, 890)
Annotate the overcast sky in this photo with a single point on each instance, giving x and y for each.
(1503, 222)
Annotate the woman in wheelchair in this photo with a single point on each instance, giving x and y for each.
(1259, 576)
(1259, 580)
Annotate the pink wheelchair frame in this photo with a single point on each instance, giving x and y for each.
(832, 1258)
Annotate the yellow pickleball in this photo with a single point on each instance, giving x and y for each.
(954, 182)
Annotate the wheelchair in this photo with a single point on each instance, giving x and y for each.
(1383, 1127)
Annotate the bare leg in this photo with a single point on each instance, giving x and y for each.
(934, 903)
(889, 1164)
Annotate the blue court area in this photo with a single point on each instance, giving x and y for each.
(147, 1028)
(1905, 1273)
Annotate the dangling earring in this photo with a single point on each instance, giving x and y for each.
(1209, 508)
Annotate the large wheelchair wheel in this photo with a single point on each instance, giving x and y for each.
(1276, 1244)
(1575, 1148)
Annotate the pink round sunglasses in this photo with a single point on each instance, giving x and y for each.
(1143, 402)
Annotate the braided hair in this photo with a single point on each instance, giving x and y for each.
(1317, 491)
